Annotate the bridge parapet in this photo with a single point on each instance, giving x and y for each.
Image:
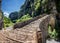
(34, 32)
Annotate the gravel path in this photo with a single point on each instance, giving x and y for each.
(52, 41)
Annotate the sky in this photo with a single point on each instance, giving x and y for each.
(9, 6)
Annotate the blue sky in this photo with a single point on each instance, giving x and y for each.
(11, 5)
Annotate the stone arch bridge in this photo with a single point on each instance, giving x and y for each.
(32, 31)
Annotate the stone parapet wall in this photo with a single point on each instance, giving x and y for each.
(21, 24)
(44, 27)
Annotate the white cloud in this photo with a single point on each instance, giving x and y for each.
(6, 14)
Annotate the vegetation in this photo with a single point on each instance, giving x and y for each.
(53, 34)
(30, 9)
(24, 18)
(13, 16)
(7, 22)
(33, 8)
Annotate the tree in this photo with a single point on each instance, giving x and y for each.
(14, 16)
(32, 7)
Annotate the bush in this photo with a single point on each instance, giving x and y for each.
(24, 18)
(7, 22)
(53, 34)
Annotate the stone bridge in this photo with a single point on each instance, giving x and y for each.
(35, 31)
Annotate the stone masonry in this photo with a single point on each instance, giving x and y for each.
(34, 32)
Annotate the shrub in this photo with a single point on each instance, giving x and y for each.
(24, 18)
(53, 34)
(7, 22)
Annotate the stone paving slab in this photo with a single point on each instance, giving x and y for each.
(21, 36)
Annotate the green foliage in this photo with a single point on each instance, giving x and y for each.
(33, 7)
(30, 8)
(7, 22)
(14, 16)
(53, 34)
(24, 18)
(37, 6)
